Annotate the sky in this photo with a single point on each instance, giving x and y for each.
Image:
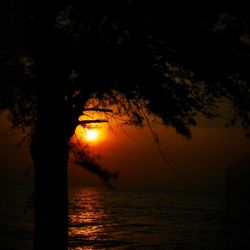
(203, 161)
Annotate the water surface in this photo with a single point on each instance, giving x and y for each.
(145, 219)
(119, 219)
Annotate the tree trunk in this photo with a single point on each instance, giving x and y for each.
(49, 152)
(49, 146)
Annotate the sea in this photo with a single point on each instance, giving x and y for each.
(103, 218)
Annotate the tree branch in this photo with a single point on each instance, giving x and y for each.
(97, 110)
(92, 121)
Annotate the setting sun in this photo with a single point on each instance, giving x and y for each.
(92, 134)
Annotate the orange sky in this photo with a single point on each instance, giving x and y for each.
(202, 160)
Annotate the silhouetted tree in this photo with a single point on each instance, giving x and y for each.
(174, 61)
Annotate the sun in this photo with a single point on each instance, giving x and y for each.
(92, 134)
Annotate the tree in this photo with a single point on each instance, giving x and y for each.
(143, 56)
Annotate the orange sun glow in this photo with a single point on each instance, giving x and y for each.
(92, 134)
(88, 134)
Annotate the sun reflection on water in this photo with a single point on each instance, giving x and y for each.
(89, 220)
(89, 211)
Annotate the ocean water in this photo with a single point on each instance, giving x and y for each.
(16, 220)
(145, 219)
(118, 219)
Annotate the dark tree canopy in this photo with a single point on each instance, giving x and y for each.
(179, 59)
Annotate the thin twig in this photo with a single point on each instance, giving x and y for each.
(156, 141)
